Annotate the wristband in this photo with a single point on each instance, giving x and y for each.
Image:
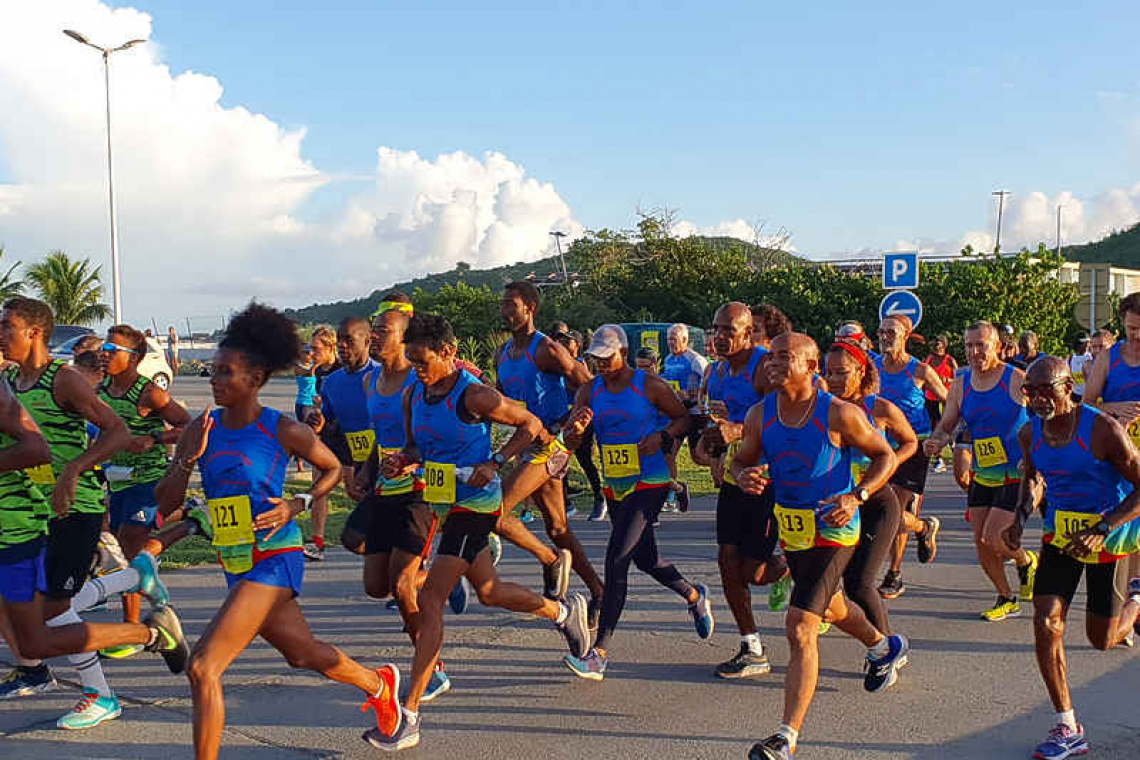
(306, 500)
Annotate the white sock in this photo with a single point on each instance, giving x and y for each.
(879, 650)
(563, 613)
(411, 718)
(752, 641)
(99, 589)
(87, 663)
(789, 733)
(1068, 718)
(24, 662)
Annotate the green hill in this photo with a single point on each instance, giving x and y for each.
(1121, 249)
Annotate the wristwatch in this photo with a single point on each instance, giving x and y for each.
(862, 494)
(1102, 528)
(498, 459)
(156, 435)
(306, 499)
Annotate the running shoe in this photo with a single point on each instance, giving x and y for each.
(24, 682)
(169, 641)
(496, 545)
(601, 511)
(744, 664)
(670, 504)
(824, 627)
(386, 702)
(394, 603)
(556, 575)
(197, 516)
(926, 543)
(405, 737)
(883, 672)
(527, 516)
(1004, 608)
(313, 553)
(701, 610)
(779, 592)
(1027, 576)
(460, 596)
(775, 747)
(150, 585)
(1062, 742)
(438, 684)
(111, 557)
(591, 667)
(939, 465)
(576, 627)
(121, 652)
(91, 710)
(1134, 588)
(683, 497)
(594, 613)
(892, 586)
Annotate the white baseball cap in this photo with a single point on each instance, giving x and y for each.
(607, 341)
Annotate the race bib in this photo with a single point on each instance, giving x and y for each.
(1134, 432)
(1078, 378)
(360, 444)
(989, 452)
(675, 385)
(1065, 523)
(439, 482)
(650, 339)
(42, 475)
(621, 460)
(733, 450)
(232, 517)
(797, 528)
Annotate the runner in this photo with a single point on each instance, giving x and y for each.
(1027, 351)
(1100, 340)
(903, 381)
(646, 360)
(627, 406)
(326, 363)
(818, 502)
(134, 472)
(684, 370)
(944, 366)
(853, 377)
(41, 577)
(242, 450)
(571, 340)
(1080, 362)
(1091, 477)
(533, 371)
(343, 407)
(745, 529)
(448, 416)
(988, 397)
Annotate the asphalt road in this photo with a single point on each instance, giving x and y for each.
(971, 689)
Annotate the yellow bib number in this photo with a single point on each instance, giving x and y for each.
(1078, 378)
(797, 528)
(233, 520)
(360, 444)
(621, 460)
(989, 452)
(650, 339)
(675, 385)
(1134, 432)
(1065, 523)
(42, 475)
(439, 482)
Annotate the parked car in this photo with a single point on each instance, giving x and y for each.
(152, 365)
(67, 333)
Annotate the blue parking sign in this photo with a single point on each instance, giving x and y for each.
(900, 270)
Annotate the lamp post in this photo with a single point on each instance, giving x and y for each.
(118, 305)
(558, 245)
(1001, 206)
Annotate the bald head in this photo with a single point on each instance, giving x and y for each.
(1048, 388)
(733, 329)
(1048, 369)
(794, 362)
(796, 343)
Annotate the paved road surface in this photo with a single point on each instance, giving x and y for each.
(971, 690)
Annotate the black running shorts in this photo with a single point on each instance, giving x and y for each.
(745, 521)
(1002, 497)
(816, 573)
(1106, 588)
(72, 544)
(401, 521)
(465, 534)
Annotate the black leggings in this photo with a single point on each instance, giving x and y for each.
(632, 540)
(879, 519)
(585, 456)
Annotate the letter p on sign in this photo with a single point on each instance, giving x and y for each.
(900, 270)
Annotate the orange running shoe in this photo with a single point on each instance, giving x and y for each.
(387, 702)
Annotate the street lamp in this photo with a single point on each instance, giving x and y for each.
(1001, 206)
(110, 172)
(558, 245)
(1059, 229)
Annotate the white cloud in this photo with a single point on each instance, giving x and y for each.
(211, 199)
(758, 233)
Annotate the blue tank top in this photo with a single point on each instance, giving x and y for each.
(860, 461)
(386, 414)
(900, 389)
(993, 415)
(342, 399)
(620, 420)
(736, 391)
(1123, 381)
(306, 390)
(807, 468)
(543, 393)
(442, 436)
(249, 461)
(1077, 482)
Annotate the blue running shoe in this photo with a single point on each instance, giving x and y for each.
(701, 610)
(150, 585)
(460, 596)
(90, 712)
(24, 682)
(527, 516)
(1062, 742)
(883, 672)
(591, 667)
(406, 737)
(438, 684)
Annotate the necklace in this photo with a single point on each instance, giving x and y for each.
(803, 418)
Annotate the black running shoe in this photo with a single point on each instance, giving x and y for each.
(892, 586)
(775, 747)
(556, 576)
(927, 541)
(169, 642)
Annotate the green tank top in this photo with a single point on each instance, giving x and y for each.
(149, 466)
(24, 510)
(66, 434)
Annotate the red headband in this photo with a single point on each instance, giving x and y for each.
(853, 350)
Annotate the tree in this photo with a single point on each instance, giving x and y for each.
(72, 288)
(8, 286)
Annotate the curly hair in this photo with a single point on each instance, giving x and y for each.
(267, 337)
(135, 338)
(430, 330)
(870, 383)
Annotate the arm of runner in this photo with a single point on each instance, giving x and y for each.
(157, 401)
(1011, 536)
(1016, 380)
(944, 432)
(899, 429)
(30, 448)
(553, 357)
(929, 380)
(750, 478)
(661, 395)
(1110, 442)
(300, 441)
(1124, 411)
(580, 417)
(486, 403)
(405, 461)
(856, 432)
(171, 490)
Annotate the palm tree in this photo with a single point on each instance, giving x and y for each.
(8, 286)
(72, 288)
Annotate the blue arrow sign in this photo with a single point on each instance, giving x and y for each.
(900, 270)
(901, 302)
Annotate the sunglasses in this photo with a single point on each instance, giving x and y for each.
(112, 347)
(1042, 390)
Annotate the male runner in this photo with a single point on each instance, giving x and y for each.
(745, 530)
(533, 371)
(988, 397)
(134, 472)
(572, 341)
(1092, 485)
(448, 416)
(343, 407)
(904, 381)
(684, 370)
(46, 576)
(807, 437)
(1027, 350)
